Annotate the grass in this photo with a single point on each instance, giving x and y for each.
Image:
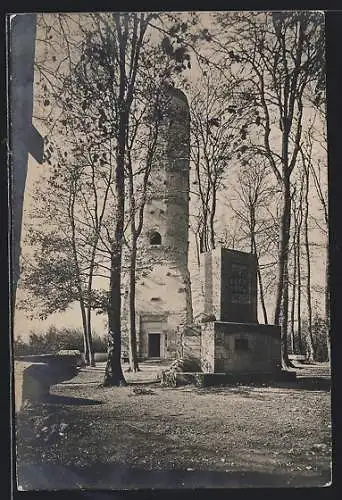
(144, 435)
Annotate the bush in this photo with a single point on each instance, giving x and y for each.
(55, 340)
(319, 334)
(100, 343)
(319, 328)
(21, 348)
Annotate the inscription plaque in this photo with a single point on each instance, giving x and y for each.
(239, 284)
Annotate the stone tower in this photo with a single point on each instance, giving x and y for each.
(163, 297)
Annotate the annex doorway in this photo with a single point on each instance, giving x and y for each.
(154, 345)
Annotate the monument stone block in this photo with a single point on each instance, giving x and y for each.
(230, 285)
(240, 348)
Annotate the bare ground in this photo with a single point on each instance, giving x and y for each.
(144, 435)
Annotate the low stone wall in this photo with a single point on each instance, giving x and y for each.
(240, 348)
(33, 375)
(31, 382)
(80, 361)
(100, 357)
(61, 366)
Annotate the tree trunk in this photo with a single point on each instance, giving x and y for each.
(261, 294)
(90, 338)
(259, 278)
(133, 355)
(310, 341)
(282, 299)
(294, 287)
(71, 213)
(189, 308)
(197, 251)
(254, 251)
(327, 300)
(113, 373)
(85, 336)
(212, 219)
(89, 290)
(284, 320)
(299, 292)
(203, 232)
(86, 346)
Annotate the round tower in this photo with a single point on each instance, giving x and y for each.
(163, 301)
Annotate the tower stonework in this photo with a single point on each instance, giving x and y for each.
(163, 298)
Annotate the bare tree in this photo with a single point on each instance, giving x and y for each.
(310, 340)
(107, 55)
(296, 289)
(275, 58)
(218, 130)
(64, 230)
(254, 194)
(314, 158)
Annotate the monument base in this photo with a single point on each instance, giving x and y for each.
(244, 349)
(200, 379)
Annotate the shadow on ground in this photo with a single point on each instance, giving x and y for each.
(55, 399)
(313, 383)
(112, 476)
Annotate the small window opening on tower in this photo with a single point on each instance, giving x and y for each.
(155, 238)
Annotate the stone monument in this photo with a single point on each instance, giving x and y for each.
(232, 341)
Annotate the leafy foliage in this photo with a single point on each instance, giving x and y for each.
(55, 340)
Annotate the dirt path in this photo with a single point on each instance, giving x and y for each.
(225, 436)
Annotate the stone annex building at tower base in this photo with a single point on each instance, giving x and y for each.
(230, 339)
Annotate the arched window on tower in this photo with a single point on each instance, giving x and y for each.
(155, 238)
